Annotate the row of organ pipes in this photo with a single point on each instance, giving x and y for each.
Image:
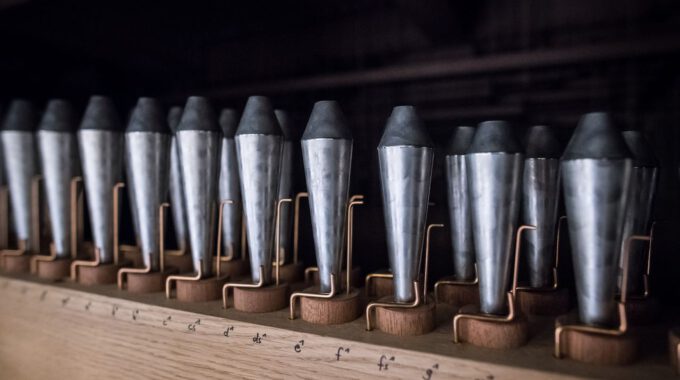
(233, 175)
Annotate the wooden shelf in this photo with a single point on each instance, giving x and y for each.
(68, 331)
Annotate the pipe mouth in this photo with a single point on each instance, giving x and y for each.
(494, 136)
(101, 114)
(258, 118)
(198, 115)
(58, 117)
(460, 140)
(327, 122)
(147, 116)
(174, 117)
(542, 143)
(229, 122)
(21, 116)
(596, 137)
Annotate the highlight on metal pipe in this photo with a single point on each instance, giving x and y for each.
(596, 170)
(229, 187)
(327, 157)
(459, 204)
(19, 153)
(198, 139)
(147, 149)
(101, 150)
(176, 188)
(494, 160)
(259, 146)
(540, 199)
(286, 183)
(642, 189)
(405, 155)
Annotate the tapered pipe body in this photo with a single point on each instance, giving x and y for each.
(405, 156)
(596, 170)
(58, 149)
(18, 146)
(540, 197)
(286, 183)
(642, 189)
(460, 221)
(495, 170)
(229, 186)
(327, 157)
(259, 146)
(179, 217)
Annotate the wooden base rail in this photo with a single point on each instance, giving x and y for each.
(70, 331)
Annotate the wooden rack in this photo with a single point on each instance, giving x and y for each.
(68, 331)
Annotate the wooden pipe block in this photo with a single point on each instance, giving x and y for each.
(261, 300)
(674, 348)
(99, 275)
(356, 279)
(183, 263)
(148, 282)
(380, 287)
(17, 264)
(594, 348)
(234, 268)
(135, 257)
(208, 289)
(458, 295)
(54, 270)
(405, 321)
(291, 273)
(496, 334)
(547, 303)
(342, 308)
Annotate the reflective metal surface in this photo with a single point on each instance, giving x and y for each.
(229, 188)
(179, 218)
(59, 159)
(101, 153)
(259, 159)
(327, 171)
(199, 159)
(460, 223)
(147, 155)
(20, 167)
(596, 172)
(286, 184)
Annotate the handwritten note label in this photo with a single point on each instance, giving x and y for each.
(227, 330)
(192, 326)
(88, 305)
(338, 354)
(114, 310)
(166, 320)
(430, 371)
(298, 346)
(135, 314)
(383, 363)
(258, 339)
(64, 301)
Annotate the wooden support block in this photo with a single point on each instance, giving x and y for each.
(99, 275)
(17, 264)
(54, 270)
(292, 273)
(261, 300)
(674, 348)
(458, 295)
(183, 263)
(357, 279)
(492, 334)
(234, 268)
(405, 321)
(342, 308)
(597, 348)
(642, 311)
(380, 288)
(548, 303)
(208, 289)
(148, 282)
(135, 257)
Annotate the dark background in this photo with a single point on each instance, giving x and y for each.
(526, 61)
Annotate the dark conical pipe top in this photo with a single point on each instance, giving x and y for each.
(404, 127)
(494, 136)
(596, 137)
(58, 117)
(229, 122)
(643, 155)
(542, 143)
(174, 117)
(327, 122)
(285, 123)
(460, 140)
(147, 116)
(20, 116)
(258, 118)
(100, 114)
(198, 115)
